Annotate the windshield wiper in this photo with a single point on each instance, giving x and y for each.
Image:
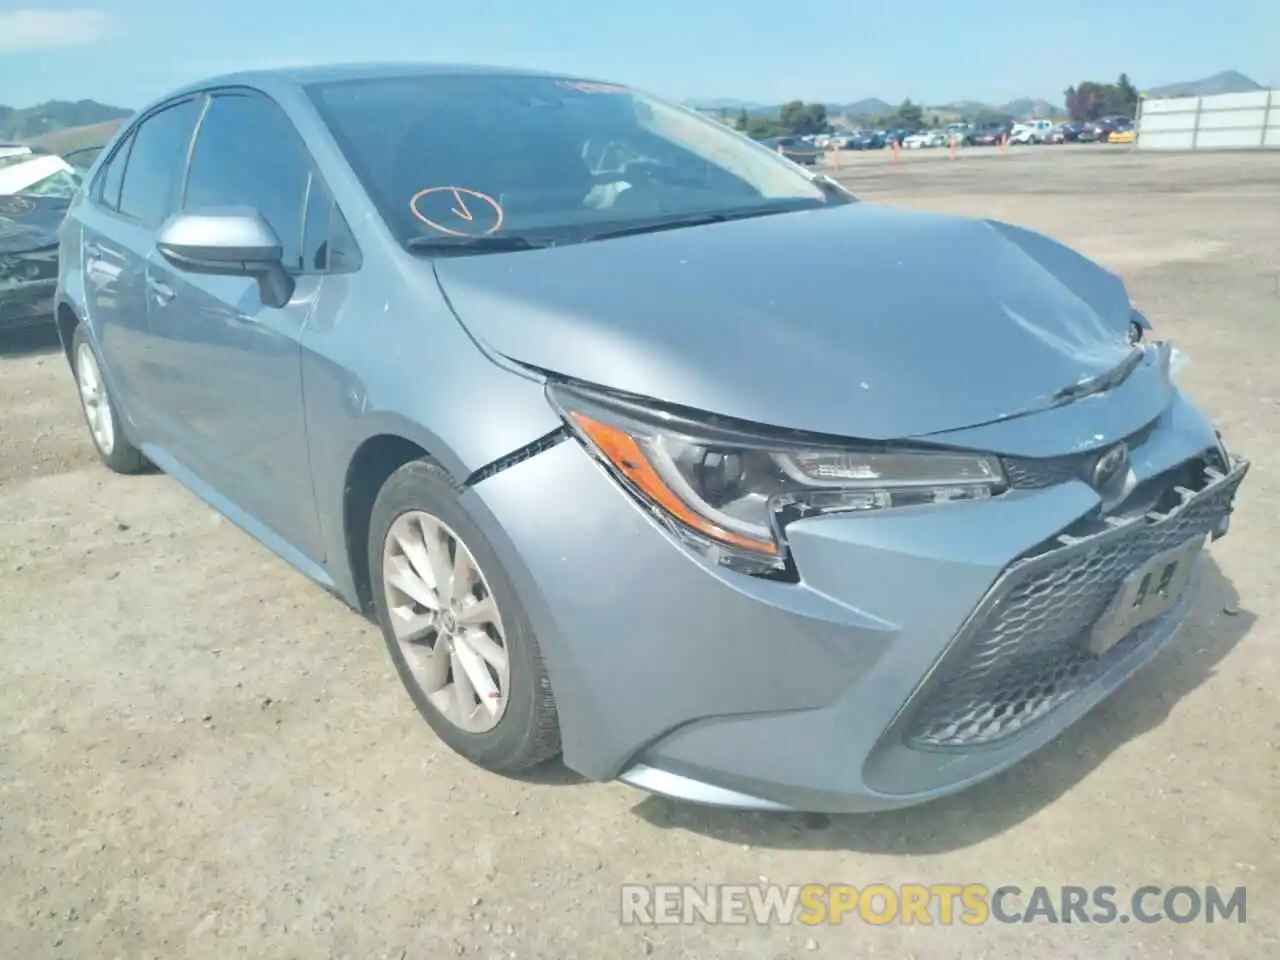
(485, 243)
(694, 220)
(672, 223)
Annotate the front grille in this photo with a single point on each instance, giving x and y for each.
(1026, 474)
(1023, 654)
(1035, 473)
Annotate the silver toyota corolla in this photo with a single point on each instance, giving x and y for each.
(643, 444)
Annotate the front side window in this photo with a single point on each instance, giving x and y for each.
(155, 163)
(247, 155)
(485, 154)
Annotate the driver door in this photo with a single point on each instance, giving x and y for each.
(233, 363)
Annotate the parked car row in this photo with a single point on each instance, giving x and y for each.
(1105, 130)
(1114, 129)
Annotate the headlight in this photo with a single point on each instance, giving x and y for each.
(730, 491)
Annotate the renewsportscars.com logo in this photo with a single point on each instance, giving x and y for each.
(944, 904)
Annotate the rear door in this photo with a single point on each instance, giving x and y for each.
(130, 196)
(235, 410)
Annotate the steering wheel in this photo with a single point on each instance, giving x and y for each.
(610, 157)
(644, 169)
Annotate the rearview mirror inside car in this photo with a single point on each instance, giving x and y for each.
(230, 242)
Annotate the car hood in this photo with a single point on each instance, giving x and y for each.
(859, 320)
(30, 223)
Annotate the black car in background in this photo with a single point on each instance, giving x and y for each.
(36, 188)
(82, 159)
(1097, 131)
(867, 140)
(987, 134)
(1064, 133)
(795, 149)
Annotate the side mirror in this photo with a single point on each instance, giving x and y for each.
(228, 242)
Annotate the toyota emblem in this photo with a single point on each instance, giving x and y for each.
(1110, 465)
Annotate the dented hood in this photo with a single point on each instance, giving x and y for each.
(29, 224)
(858, 321)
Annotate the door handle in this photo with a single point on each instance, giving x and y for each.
(160, 290)
(92, 250)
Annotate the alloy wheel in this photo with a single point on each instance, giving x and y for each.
(446, 621)
(93, 397)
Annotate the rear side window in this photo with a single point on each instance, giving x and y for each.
(155, 163)
(247, 154)
(112, 176)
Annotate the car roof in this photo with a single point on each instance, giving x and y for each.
(338, 72)
(274, 78)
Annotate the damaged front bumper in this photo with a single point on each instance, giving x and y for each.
(1016, 674)
(921, 651)
(28, 281)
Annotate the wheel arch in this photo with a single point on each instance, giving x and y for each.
(66, 318)
(382, 453)
(371, 465)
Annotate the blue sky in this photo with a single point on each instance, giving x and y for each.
(127, 51)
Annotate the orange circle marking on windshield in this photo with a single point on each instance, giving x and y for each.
(466, 217)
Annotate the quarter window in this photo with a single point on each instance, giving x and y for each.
(247, 155)
(315, 235)
(112, 175)
(155, 162)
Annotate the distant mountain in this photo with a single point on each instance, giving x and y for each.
(1031, 108)
(862, 108)
(966, 107)
(871, 107)
(875, 107)
(76, 138)
(1228, 81)
(25, 123)
(730, 105)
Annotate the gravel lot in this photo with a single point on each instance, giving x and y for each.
(202, 755)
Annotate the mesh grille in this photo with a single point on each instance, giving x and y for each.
(1024, 654)
(1030, 474)
(1034, 473)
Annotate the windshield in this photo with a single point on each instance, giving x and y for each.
(554, 159)
(37, 175)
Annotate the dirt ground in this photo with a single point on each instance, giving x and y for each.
(202, 755)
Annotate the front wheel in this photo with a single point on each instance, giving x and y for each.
(100, 411)
(456, 631)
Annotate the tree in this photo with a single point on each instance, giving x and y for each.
(1128, 95)
(803, 119)
(908, 116)
(761, 128)
(744, 120)
(1091, 100)
(987, 115)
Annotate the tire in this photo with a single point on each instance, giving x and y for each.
(101, 414)
(527, 732)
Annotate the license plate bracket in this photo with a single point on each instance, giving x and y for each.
(1150, 591)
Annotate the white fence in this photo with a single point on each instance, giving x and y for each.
(1226, 121)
